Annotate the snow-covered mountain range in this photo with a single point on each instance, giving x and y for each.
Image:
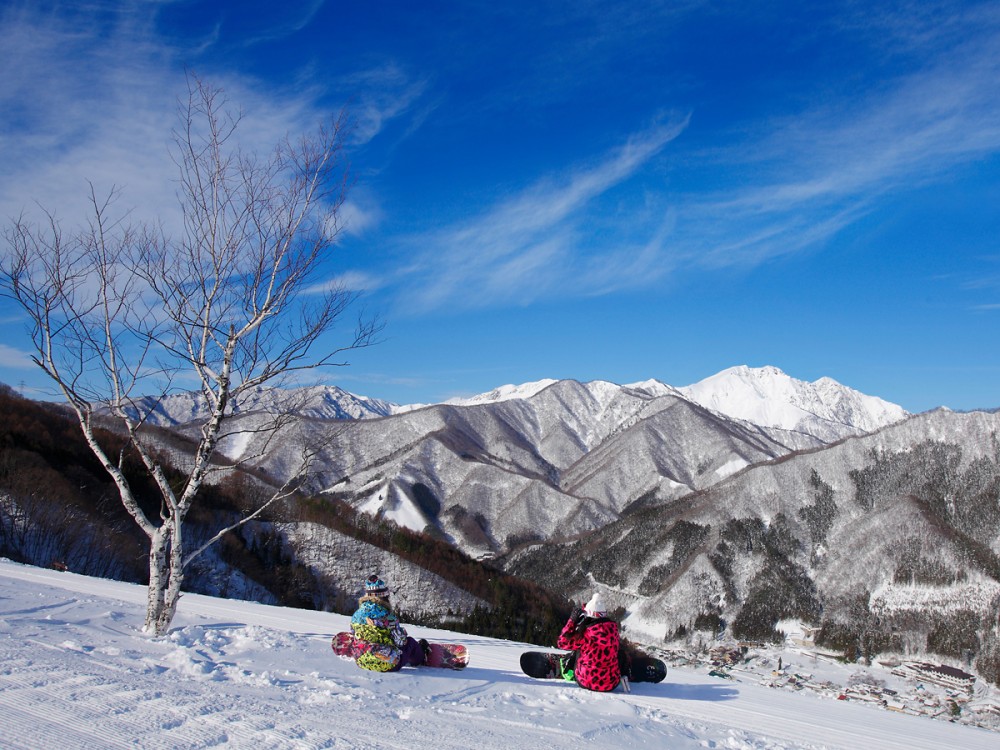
(550, 459)
(314, 402)
(765, 396)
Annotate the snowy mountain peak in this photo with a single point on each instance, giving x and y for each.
(654, 388)
(767, 396)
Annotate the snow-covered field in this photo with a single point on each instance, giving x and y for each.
(75, 672)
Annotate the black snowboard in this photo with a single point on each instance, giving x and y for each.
(545, 665)
(646, 669)
(541, 664)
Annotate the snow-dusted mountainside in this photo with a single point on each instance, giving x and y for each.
(768, 397)
(562, 462)
(895, 534)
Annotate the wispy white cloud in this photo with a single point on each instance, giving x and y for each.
(381, 94)
(359, 213)
(531, 245)
(15, 359)
(350, 281)
(72, 111)
(285, 18)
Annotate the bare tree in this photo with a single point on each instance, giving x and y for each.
(227, 301)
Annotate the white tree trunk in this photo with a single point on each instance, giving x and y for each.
(159, 545)
(166, 577)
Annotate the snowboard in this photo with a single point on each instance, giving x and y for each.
(441, 655)
(447, 656)
(542, 664)
(646, 669)
(547, 665)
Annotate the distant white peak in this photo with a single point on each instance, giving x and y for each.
(318, 401)
(404, 408)
(504, 393)
(740, 382)
(654, 388)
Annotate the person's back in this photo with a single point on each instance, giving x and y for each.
(375, 623)
(595, 639)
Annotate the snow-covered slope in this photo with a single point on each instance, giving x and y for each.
(78, 674)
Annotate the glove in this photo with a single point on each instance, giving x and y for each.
(578, 614)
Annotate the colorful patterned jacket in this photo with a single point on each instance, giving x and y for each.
(376, 625)
(596, 643)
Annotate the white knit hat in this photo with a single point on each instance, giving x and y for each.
(595, 606)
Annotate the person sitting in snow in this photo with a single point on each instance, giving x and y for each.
(593, 638)
(375, 624)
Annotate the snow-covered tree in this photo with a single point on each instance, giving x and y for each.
(227, 301)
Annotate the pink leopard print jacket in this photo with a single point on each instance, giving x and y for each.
(597, 659)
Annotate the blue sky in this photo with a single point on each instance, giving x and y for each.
(588, 190)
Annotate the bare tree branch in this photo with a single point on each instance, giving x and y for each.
(285, 491)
